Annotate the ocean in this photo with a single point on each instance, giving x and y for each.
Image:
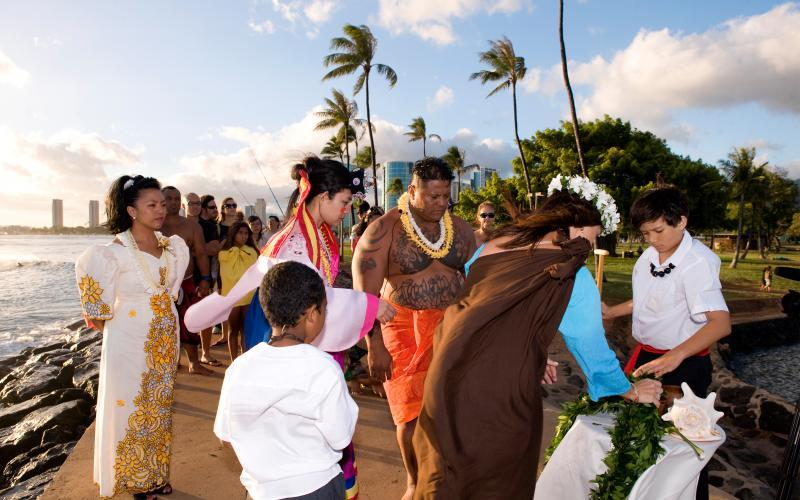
(40, 294)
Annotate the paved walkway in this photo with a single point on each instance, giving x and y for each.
(202, 469)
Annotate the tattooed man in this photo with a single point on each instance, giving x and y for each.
(414, 256)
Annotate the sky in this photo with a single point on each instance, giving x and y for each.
(191, 92)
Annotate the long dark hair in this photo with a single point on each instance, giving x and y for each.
(560, 211)
(119, 198)
(325, 176)
(235, 227)
(221, 213)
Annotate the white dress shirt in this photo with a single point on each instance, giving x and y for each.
(668, 310)
(288, 414)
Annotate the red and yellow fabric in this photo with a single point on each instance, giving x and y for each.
(409, 339)
(328, 264)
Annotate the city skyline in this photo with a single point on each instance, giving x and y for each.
(89, 94)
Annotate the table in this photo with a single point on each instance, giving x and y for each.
(579, 459)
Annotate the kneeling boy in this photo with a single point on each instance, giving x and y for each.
(284, 406)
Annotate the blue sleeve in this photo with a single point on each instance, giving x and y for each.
(582, 329)
(256, 327)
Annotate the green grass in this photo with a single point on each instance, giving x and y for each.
(740, 283)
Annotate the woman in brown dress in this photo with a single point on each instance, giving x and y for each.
(480, 428)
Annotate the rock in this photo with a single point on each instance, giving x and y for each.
(775, 417)
(63, 359)
(778, 441)
(35, 379)
(745, 494)
(44, 356)
(56, 435)
(85, 373)
(13, 414)
(92, 352)
(92, 337)
(746, 421)
(47, 348)
(577, 381)
(36, 461)
(736, 395)
(750, 457)
(30, 488)
(28, 433)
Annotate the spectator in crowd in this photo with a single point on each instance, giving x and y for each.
(192, 235)
(485, 218)
(363, 208)
(238, 253)
(227, 216)
(259, 235)
(273, 224)
(372, 215)
(239, 216)
(208, 221)
(191, 206)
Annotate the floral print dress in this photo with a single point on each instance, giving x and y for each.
(134, 293)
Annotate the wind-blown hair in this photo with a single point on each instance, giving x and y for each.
(119, 199)
(560, 211)
(663, 201)
(325, 176)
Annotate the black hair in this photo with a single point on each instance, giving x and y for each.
(170, 188)
(205, 200)
(432, 168)
(235, 227)
(325, 176)
(363, 207)
(253, 218)
(274, 217)
(560, 211)
(663, 201)
(119, 198)
(287, 291)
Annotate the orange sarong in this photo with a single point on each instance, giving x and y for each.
(409, 339)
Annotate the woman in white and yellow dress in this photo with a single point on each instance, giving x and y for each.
(128, 288)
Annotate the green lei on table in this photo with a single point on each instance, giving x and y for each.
(635, 440)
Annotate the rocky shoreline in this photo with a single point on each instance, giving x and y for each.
(48, 396)
(47, 400)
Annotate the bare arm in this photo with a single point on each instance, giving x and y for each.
(370, 265)
(623, 309)
(718, 326)
(201, 259)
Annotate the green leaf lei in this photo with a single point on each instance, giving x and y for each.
(635, 440)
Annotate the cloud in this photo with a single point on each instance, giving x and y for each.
(236, 173)
(444, 96)
(744, 60)
(306, 14)
(433, 21)
(70, 164)
(46, 43)
(12, 74)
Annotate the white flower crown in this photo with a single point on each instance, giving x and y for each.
(589, 191)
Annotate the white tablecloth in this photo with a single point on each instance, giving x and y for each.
(579, 459)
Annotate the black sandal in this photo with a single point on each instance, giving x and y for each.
(164, 490)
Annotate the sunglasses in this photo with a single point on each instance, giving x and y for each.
(230, 205)
(211, 207)
(490, 215)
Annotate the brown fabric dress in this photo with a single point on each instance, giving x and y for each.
(480, 428)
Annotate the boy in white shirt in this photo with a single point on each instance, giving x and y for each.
(678, 308)
(284, 406)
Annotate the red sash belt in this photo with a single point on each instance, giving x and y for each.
(631, 364)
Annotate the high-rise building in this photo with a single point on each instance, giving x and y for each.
(250, 210)
(58, 214)
(94, 213)
(261, 209)
(395, 170)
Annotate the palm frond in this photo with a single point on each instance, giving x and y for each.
(360, 83)
(388, 73)
(347, 69)
(500, 87)
(341, 43)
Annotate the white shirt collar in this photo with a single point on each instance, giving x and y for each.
(676, 258)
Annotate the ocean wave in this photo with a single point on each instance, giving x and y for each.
(10, 265)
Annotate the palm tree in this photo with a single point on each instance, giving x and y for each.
(419, 132)
(569, 87)
(508, 69)
(364, 157)
(743, 175)
(455, 158)
(354, 52)
(333, 149)
(339, 112)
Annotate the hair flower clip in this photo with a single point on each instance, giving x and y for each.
(592, 192)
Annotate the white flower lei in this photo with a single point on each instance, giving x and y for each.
(589, 191)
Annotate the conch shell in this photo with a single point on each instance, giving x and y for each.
(695, 417)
